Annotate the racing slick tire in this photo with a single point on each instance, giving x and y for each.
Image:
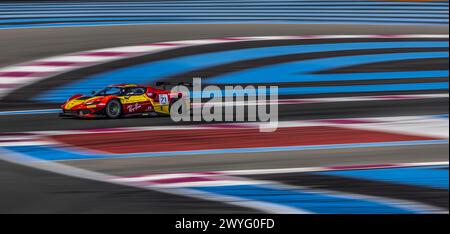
(113, 109)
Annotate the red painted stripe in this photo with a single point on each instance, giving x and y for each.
(56, 64)
(104, 53)
(225, 126)
(102, 130)
(295, 101)
(183, 180)
(8, 85)
(388, 36)
(201, 139)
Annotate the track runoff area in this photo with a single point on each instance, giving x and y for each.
(362, 124)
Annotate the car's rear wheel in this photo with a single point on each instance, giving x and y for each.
(113, 109)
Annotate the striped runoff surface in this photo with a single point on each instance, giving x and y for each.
(390, 188)
(91, 13)
(323, 134)
(373, 189)
(263, 56)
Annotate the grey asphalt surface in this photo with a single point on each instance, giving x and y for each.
(435, 106)
(45, 192)
(266, 160)
(29, 190)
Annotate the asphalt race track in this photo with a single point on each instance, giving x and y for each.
(316, 135)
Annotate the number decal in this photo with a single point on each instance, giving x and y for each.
(163, 99)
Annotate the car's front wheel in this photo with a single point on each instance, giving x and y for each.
(113, 109)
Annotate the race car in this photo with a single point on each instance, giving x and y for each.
(120, 100)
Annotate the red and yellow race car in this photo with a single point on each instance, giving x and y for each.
(120, 100)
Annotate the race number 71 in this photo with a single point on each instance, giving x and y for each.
(163, 99)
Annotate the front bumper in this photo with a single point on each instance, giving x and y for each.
(80, 113)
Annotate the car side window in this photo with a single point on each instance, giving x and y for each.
(139, 91)
(135, 91)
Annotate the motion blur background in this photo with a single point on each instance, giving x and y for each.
(363, 107)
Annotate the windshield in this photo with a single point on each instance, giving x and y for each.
(110, 91)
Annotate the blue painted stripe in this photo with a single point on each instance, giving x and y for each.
(97, 12)
(331, 89)
(172, 18)
(92, 24)
(241, 7)
(295, 77)
(29, 112)
(305, 199)
(165, 15)
(54, 153)
(150, 72)
(364, 88)
(300, 9)
(444, 116)
(313, 12)
(162, 2)
(300, 71)
(238, 3)
(417, 176)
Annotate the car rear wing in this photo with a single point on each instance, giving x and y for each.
(163, 83)
(170, 85)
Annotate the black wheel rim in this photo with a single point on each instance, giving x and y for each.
(114, 109)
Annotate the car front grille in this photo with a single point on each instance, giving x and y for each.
(70, 112)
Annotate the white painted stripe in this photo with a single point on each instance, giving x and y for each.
(427, 36)
(162, 177)
(24, 143)
(36, 68)
(318, 169)
(427, 128)
(200, 42)
(16, 138)
(137, 49)
(269, 38)
(81, 58)
(212, 183)
(15, 80)
(324, 100)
